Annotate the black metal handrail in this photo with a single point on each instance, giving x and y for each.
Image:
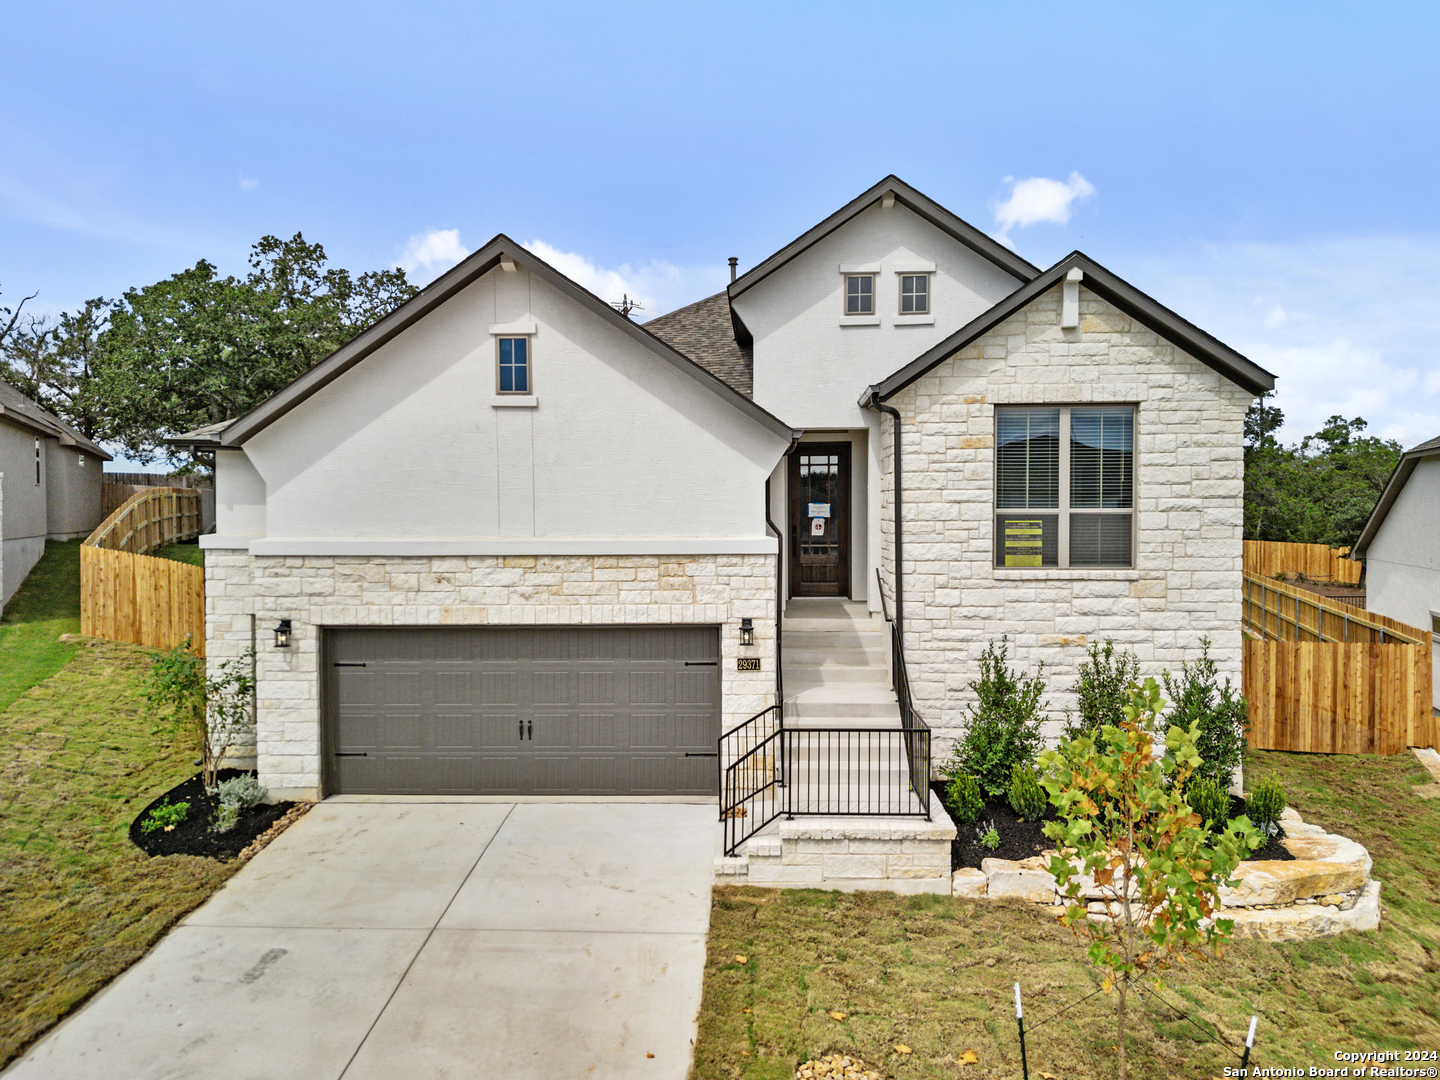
(751, 775)
(910, 720)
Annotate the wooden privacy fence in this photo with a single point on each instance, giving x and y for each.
(1328, 678)
(118, 487)
(128, 595)
(1318, 562)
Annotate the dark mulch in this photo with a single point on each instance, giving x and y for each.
(193, 836)
(1022, 839)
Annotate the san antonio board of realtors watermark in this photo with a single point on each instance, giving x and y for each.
(1357, 1063)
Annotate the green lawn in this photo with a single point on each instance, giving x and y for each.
(46, 606)
(80, 756)
(935, 974)
(186, 553)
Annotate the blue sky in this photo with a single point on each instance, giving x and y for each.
(1268, 171)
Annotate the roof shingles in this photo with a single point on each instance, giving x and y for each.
(703, 332)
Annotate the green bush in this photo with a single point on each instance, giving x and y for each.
(991, 840)
(236, 794)
(1003, 725)
(1265, 805)
(963, 798)
(1026, 797)
(1208, 799)
(1103, 689)
(1220, 710)
(165, 816)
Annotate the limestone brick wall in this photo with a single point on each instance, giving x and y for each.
(1189, 488)
(242, 591)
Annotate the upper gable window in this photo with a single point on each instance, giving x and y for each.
(914, 294)
(859, 294)
(513, 376)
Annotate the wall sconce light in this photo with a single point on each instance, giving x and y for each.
(282, 634)
(747, 632)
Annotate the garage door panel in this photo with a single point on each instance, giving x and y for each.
(515, 710)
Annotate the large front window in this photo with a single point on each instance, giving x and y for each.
(1065, 486)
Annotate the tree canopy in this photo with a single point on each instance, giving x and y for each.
(1318, 491)
(197, 347)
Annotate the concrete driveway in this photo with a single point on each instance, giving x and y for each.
(424, 939)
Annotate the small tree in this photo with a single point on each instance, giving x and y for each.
(1220, 711)
(1003, 725)
(1103, 689)
(215, 710)
(1125, 826)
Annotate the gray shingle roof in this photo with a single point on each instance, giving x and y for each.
(17, 407)
(703, 332)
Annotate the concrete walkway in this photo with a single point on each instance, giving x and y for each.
(424, 940)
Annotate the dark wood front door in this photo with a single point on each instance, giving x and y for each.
(820, 520)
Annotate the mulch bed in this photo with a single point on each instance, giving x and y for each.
(193, 836)
(1023, 839)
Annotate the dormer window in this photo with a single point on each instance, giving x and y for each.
(914, 294)
(859, 294)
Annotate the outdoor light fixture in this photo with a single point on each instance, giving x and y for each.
(747, 632)
(282, 634)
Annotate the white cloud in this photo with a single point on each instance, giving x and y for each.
(429, 254)
(1348, 325)
(247, 183)
(659, 286)
(1038, 199)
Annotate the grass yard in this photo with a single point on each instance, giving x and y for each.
(79, 758)
(935, 974)
(46, 606)
(186, 553)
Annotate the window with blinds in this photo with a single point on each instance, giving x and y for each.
(1070, 470)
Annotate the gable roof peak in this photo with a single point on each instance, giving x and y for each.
(913, 200)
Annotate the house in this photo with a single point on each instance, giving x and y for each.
(1400, 546)
(507, 540)
(50, 478)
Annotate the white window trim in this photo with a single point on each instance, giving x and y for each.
(1063, 510)
(522, 328)
(514, 401)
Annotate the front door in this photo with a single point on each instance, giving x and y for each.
(820, 520)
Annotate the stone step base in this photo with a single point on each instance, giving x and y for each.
(892, 854)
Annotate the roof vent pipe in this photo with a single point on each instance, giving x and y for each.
(734, 262)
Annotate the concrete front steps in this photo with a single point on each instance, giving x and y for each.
(837, 675)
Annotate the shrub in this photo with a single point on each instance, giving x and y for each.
(990, 839)
(1210, 800)
(1026, 797)
(214, 709)
(236, 794)
(1220, 712)
(165, 816)
(1003, 726)
(963, 798)
(1102, 689)
(1265, 805)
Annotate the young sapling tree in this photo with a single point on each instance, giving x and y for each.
(1125, 830)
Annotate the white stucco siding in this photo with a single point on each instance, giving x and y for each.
(809, 368)
(409, 445)
(1189, 489)
(239, 501)
(1402, 564)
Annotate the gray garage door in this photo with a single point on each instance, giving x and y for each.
(522, 711)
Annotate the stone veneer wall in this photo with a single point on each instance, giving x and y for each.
(480, 590)
(1189, 488)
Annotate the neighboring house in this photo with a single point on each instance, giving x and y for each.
(514, 539)
(1401, 546)
(50, 477)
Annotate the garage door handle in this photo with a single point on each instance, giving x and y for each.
(341, 663)
(339, 754)
(701, 663)
(711, 754)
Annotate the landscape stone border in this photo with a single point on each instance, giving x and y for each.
(1326, 889)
